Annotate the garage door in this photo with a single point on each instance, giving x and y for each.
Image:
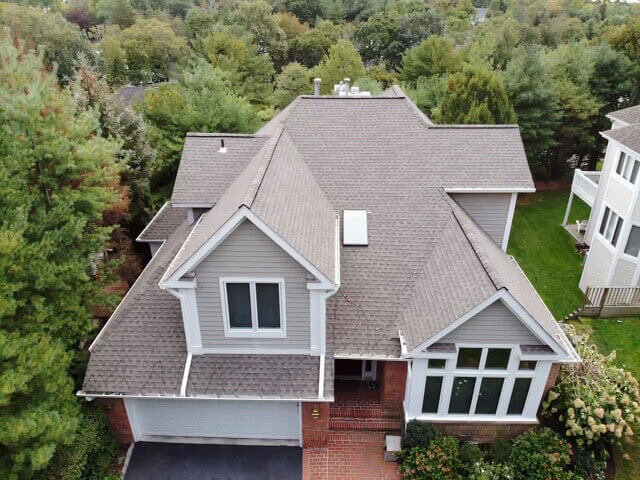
(215, 418)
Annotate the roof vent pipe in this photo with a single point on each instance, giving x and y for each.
(346, 82)
(222, 149)
(317, 86)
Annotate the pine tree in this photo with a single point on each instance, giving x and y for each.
(57, 177)
(475, 95)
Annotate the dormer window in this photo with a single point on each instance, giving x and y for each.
(253, 307)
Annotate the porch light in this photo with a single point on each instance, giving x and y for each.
(315, 413)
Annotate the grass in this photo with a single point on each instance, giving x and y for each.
(545, 251)
(547, 255)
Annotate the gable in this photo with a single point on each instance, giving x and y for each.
(496, 324)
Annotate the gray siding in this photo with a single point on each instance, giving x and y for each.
(623, 273)
(248, 252)
(494, 325)
(489, 210)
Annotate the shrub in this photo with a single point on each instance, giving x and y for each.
(470, 454)
(92, 453)
(501, 450)
(441, 461)
(589, 463)
(596, 401)
(490, 471)
(418, 434)
(541, 455)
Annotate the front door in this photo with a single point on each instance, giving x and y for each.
(355, 369)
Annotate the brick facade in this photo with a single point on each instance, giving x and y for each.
(551, 381)
(484, 432)
(118, 419)
(392, 379)
(315, 429)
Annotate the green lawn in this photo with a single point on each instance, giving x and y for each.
(545, 251)
(547, 255)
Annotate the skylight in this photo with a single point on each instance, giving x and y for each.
(355, 227)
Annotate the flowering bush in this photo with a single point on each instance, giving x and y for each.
(541, 455)
(595, 400)
(441, 461)
(490, 471)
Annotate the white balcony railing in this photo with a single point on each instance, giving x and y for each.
(585, 185)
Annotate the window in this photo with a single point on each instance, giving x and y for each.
(611, 226)
(489, 396)
(253, 307)
(497, 358)
(431, 399)
(527, 365)
(628, 167)
(462, 394)
(469, 358)
(519, 396)
(437, 363)
(633, 243)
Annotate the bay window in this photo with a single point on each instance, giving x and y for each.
(253, 307)
(481, 383)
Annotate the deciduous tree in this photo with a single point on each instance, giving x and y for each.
(342, 62)
(294, 80)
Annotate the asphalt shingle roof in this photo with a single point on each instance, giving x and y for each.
(426, 264)
(163, 224)
(628, 115)
(627, 136)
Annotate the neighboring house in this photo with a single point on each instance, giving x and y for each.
(613, 228)
(349, 250)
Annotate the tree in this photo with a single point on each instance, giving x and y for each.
(250, 72)
(534, 101)
(116, 12)
(434, 56)
(135, 154)
(626, 38)
(311, 47)
(257, 19)
(305, 10)
(79, 13)
(428, 93)
(151, 50)
(475, 95)
(290, 25)
(57, 177)
(60, 41)
(38, 410)
(201, 102)
(294, 80)
(495, 41)
(342, 62)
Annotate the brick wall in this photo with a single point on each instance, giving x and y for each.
(484, 432)
(315, 430)
(118, 419)
(392, 379)
(551, 381)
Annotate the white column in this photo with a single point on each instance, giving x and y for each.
(536, 389)
(416, 389)
(566, 213)
(190, 319)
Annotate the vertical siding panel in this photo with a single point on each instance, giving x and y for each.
(489, 210)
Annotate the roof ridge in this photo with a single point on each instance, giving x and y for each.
(221, 134)
(261, 170)
(475, 125)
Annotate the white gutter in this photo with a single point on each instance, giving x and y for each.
(91, 396)
(185, 375)
(489, 190)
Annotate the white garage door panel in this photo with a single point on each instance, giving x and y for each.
(215, 418)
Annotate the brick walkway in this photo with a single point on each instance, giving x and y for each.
(350, 455)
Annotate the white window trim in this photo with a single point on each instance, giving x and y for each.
(539, 377)
(602, 236)
(623, 253)
(254, 331)
(627, 167)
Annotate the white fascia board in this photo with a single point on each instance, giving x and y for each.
(144, 230)
(193, 205)
(225, 230)
(91, 396)
(489, 190)
(620, 146)
(515, 308)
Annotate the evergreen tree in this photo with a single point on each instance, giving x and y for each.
(475, 95)
(434, 56)
(294, 80)
(534, 101)
(57, 177)
(202, 102)
(39, 413)
(342, 62)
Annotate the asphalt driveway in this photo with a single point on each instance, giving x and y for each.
(178, 461)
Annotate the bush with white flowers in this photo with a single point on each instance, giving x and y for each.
(596, 401)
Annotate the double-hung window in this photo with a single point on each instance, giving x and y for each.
(633, 242)
(253, 307)
(628, 167)
(610, 226)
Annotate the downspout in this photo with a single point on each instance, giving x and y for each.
(185, 375)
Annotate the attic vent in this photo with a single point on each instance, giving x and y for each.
(222, 148)
(354, 226)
